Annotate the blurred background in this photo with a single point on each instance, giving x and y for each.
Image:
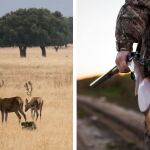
(112, 102)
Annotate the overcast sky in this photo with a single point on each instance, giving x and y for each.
(95, 42)
(64, 6)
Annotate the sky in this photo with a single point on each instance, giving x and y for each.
(95, 37)
(64, 6)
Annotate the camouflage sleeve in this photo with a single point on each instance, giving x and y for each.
(131, 24)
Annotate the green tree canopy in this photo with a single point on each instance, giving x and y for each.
(34, 27)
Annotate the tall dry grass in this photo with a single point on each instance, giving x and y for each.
(51, 78)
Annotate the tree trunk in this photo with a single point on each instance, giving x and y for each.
(66, 45)
(56, 48)
(22, 51)
(43, 51)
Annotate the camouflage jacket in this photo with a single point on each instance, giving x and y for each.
(133, 26)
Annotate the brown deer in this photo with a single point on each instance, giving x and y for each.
(12, 104)
(35, 104)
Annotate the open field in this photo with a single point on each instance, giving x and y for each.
(51, 78)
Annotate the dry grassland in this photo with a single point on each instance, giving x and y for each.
(52, 80)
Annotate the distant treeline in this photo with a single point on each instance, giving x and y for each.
(35, 27)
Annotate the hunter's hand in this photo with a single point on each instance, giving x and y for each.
(121, 61)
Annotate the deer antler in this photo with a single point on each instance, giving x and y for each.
(28, 86)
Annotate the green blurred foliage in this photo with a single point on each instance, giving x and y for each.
(118, 90)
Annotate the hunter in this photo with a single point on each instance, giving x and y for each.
(133, 26)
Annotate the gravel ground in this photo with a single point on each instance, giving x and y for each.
(91, 137)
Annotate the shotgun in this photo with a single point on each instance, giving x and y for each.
(132, 56)
(104, 77)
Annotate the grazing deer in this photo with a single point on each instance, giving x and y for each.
(12, 104)
(35, 104)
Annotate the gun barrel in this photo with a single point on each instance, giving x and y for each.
(104, 77)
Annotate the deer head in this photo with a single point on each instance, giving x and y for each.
(27, 105)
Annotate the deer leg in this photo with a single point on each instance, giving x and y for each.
(18, 115)
(40, 114)
(37, 114)
(32, 114)
(41, 110)
(34, 111)
(21, 111)
(2, 116)
(6, 115)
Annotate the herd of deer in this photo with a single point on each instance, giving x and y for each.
(15, 104)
